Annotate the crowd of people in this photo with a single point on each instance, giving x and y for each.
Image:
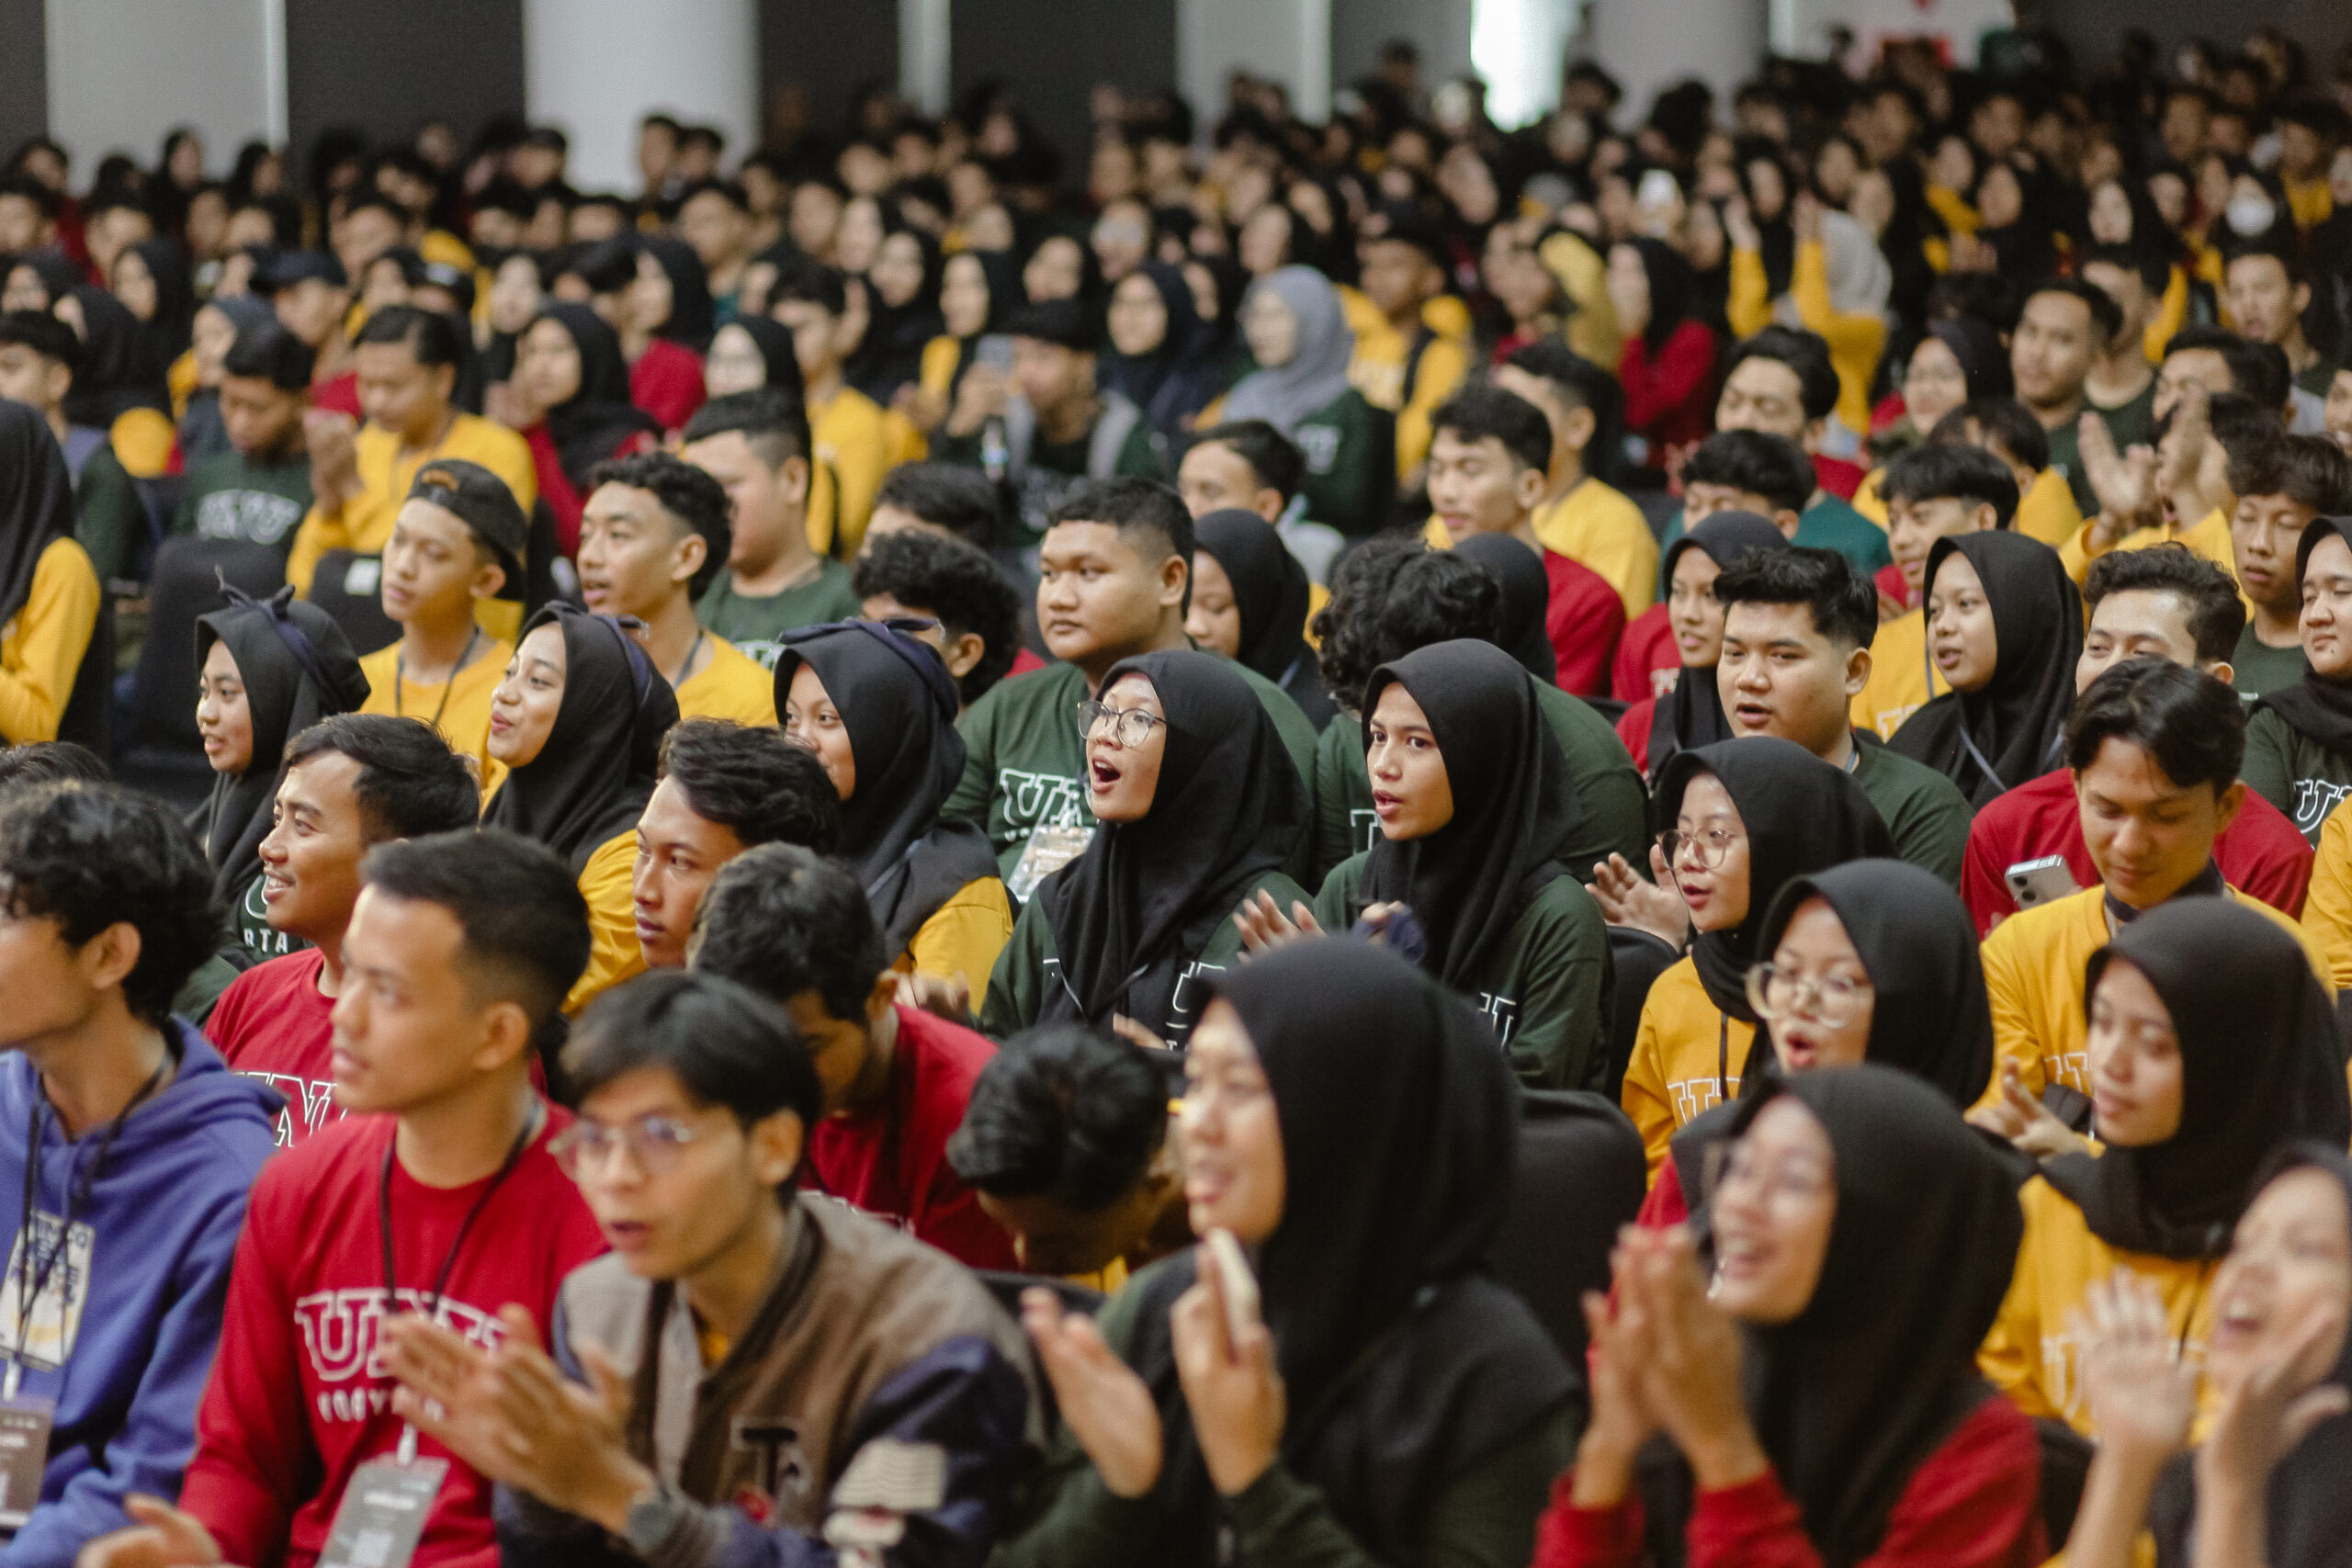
(1390, 843)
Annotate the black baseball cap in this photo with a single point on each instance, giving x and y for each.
(483, 503)
(455, 281)
(284, 269)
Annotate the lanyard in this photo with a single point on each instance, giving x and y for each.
(400, 673)
(77, 1193)
(384, 1218)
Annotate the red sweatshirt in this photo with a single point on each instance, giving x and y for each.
(1648, 645)
(1670, 397)
(891, 1161)
(666, 382)
(340, 394)
(296, 1401)
(2263, 854)
(272, 1024)
(1974, 1502)
(1633, 730)
(1838, 477)
(1584, 620)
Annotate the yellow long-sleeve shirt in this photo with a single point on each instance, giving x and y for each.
(614, 954)
(732, 685)
(1598, 527)
(1583, 276)
(1901, 680)
(365, 524)
(461, 703)
(2031, 1354)
(41, 649)
(2034, 977)
(1855, 341)
(963, 937)
(1384, 352)
(2208, 537)
(1688, 1054)
(853, 441)
(2172, 314)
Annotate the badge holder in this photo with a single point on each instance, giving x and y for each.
(25, 1422)
(384, 1506)
(1048, 850)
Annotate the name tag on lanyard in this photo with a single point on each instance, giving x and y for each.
(382, 1515)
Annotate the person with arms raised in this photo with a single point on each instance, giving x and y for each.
(438, 1199)
(757, 446)
(350, 782)
(577, 724)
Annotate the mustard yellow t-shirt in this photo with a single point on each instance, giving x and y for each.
(614, 954)
(1688, 1054)
(963, 937)
(458, 708)
(732, 685)
(853, 441)
(1901, 680)
(2327, 907)
(365, 524)
(1598, 527)
(41, 648)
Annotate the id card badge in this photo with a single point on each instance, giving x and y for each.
(1049, 850)
(24, 1456)
(382, 1514)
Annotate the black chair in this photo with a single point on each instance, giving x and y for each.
(1580, 1176)
(1639, 959)
(155, 737)
(348, 586)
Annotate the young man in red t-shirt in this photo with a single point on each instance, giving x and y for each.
(352, 782)
(460, 950)
(2164, 603)
(798, 929)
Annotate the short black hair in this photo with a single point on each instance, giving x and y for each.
(1479, 410)
(773, 422)
(691, 497)
(1272, 455)
(2309, 471)
(1132, 506)
(266, 351)
(607, 266)
(1844, 604)
(752, 781)
(1585, 386)
(46, 202)
(2191, 724)
(958, 583)
(2288, 261)
(524, 923)
(1062, 1112)
(2259, 370)
(44, 335)
(2154, 270)
(724, 1044)
(92, 855)
(712, 185)
(2003, 420)
(783, 919)
(409, 782)
(2216, 613)
(2106, 316)
(50, 762)
(1932, 472)
(430, 335)
(1391, 595)
(1771, 466)
(370, 199)
(1806, 353)
(963, 500)
(809, 282)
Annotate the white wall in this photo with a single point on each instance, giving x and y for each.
(1649, 44)
(1287, 40)
(591, 68)
(122, 72)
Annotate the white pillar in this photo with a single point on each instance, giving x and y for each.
(1285, 41)
(122, 72)
(924, 56)
(1649, 44)
(593, 68)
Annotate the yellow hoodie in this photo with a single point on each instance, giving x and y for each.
(1688, 1054)
(1384, 351)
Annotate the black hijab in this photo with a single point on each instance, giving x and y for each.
(1990, 741)
(1674, 288)
(1143, 900)
(2308, 1516)
(1855, 1392)
(1983, 362)
(591, 781)
(2317, 707)
(297, 667)
(1270, 590)
(890, 355)
(1802, 816)
(898, 702)
(36, 501)
(1470, 880)
(2260, 1066)
(592, 425)
(59, 277)
(1175, 381)
(692, 310)
(164, 337)
(1693, 714)
(1404, 1366)
(1002, 272)
(773, 340)
(112, 379)
(1527, 600)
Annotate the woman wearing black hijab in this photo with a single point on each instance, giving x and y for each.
(2004, 628)
(151, 278)
(113, 377)
(1199, 806)
(2211, 1046)
(1741, 819)
(56, 634)
(577, 724)
(1249, 597)
(749, 352)
(40, 279)
(1473, 800)
(1527, 600)
(692, 310)
(1348, 1123)
(268, 670)
(977, 291)
(572, 373)
(2298, 738)
(1820, 1391)
(902, 307)
(1158, 357)
(1667, 368)
(878, 709)
(1691, 714)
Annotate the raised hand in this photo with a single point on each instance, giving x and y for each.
(2141, 1397)
(1234, 1392)
(1105, 1405)
(1626, 899)
(1264, 927)
(2025, 1120)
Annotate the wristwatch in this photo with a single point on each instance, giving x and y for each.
(652, 1519)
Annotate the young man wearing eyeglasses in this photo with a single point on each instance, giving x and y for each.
(439, 1192)
(752, 1375)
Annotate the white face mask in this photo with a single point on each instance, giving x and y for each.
(2250, 214)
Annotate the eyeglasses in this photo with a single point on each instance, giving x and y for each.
(1832, 999)
(1710, 848)
(1130, 727)
(655, 1142)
